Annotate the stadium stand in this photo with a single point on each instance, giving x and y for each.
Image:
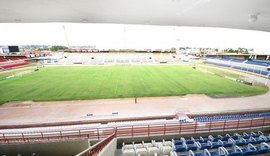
(12, 61)
(239, 60)
(213, 140)
(114, 58)
(258, 63)
(11, 65)
(231, 117)
(222, 117)
(158, 57)
(2, 60)
(228, 145)
(232, 59)
(253, 66)
(17, 58)
(168, 57)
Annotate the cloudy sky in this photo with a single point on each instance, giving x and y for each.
(131, 36)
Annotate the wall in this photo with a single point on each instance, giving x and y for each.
(69, 148)
(110, 149)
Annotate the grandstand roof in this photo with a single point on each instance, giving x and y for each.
(242, 14)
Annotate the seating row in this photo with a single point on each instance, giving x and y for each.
(230, 117)
(194, 144)
(182, 146)
(248, 150)
(233, 59)
(13, 65)
(238, 60)
(258, 63)
(148, 149)
(226, 137)
(258, 71)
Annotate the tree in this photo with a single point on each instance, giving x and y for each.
(57, 47)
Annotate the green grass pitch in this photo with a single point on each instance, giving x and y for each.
(95, 82)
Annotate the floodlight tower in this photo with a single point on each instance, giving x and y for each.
(176, 41)
(66, 37)
(124, 37)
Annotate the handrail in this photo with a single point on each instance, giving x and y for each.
(94, 150)
(135, 131)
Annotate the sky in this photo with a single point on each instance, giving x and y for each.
(120, 36)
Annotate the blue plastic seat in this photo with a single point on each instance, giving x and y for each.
(235, 154)
(182, 155)
(207, 145)
(236, 151)
(196, 139)
(255, 135)
(190, 141)
(214, 139)
(180, 148)
(236, 136)
(246, 136)
(204, 140)
(214, 153)
(263, 148)
(225, 138)
(241, 142)
(261, 139)
(192, 147)
(200, 153)
(178, 142)
(249, 150)
(268, 138)
(228, 143)
(217, 144)
(252, 140)
(220, 152)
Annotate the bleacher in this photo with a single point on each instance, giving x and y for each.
(11, 65)
(15, 58)
(12, 61)
(2, 60)
(227, 145)
(168, 57)
(115, 58)
(145, 149)
(218, 64)
(205, 118)
(258, 63)
(233, 59)
(109, 58)
(240, 60)
(239, 64)
(158, 57)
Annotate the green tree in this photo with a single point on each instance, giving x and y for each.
(57, 47)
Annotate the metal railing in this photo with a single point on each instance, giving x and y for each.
(97, 148)
(135, 131)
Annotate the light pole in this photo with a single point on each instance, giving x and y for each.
(66, 37)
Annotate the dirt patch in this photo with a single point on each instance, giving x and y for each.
(29, 112)
(17, 104)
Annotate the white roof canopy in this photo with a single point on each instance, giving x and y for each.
(240, 14)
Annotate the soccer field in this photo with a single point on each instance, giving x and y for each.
(95, 82)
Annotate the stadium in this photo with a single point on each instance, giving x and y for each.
(126, 101)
